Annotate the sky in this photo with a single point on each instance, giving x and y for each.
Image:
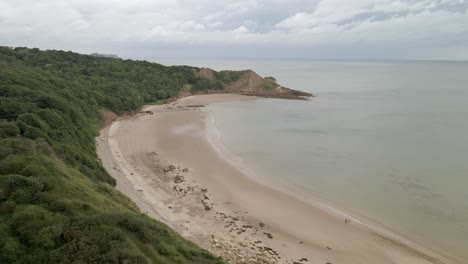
(274, 29)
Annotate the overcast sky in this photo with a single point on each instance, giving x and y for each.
(309, 29)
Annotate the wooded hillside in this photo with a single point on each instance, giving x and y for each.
(57, 203)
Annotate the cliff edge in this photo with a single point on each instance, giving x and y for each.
(245, 82)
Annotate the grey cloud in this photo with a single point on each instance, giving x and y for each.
(451, 7)
(392, 29)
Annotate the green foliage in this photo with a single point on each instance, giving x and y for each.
(57, 203)
(8, 129)
(31, 126)
(269, 86)
(228, 76)
(218, 83)
(270, 83)
(205, 85)
(38, 227)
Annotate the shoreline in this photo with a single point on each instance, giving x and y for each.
(206, 198)
(366, 223)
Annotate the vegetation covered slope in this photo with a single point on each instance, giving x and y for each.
(57, 203)
(243, 82)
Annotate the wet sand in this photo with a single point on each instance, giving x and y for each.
(169, 166)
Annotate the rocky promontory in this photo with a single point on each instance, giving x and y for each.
(245, 82)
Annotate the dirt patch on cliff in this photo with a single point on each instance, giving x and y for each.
(205, 73)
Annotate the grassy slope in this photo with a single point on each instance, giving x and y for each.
(57, 203)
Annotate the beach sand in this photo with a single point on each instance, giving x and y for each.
(168, 165)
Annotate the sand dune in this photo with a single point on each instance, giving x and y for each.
(166, 163)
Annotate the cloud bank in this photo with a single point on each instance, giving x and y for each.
(320, 29)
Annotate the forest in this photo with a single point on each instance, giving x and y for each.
(57, 203)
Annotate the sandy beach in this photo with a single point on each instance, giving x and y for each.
(165, 161)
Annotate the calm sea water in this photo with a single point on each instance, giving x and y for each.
(384, 140)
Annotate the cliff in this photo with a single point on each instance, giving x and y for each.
(245, 82)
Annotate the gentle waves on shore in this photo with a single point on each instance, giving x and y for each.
(383, 140)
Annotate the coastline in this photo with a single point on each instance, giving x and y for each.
(167, 165)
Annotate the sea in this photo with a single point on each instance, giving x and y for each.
(385, 141)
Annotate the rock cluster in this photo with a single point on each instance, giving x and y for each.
(240, 242)
(242, 252)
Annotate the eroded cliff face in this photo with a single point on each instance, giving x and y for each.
(248, 82)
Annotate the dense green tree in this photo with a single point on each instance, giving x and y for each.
(57, 203)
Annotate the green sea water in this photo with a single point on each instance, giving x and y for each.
(384, 140)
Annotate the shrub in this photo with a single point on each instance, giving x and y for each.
(8, 129)
(56, 205)
(38, 227)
